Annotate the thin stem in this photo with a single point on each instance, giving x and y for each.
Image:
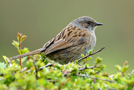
(18, 51)
(88, 68)
(36, 70)
(91, 54)
(94, 78)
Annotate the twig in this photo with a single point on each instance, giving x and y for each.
(94, 78)
(88, 68)
(24, 69)
(50, 64)
(132, 72)
(44, 67)
(91, 54)
(19, 52)
(36, 70)
(8, 61)
(66, 72)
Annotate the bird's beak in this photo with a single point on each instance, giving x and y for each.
(98, 24)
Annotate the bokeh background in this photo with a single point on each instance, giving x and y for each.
(41, 20)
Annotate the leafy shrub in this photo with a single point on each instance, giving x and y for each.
(38, 73)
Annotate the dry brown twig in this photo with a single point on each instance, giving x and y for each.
(91, 54)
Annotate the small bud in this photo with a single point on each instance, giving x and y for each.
(23, 37)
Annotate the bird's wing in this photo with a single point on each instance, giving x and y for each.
(68, 37)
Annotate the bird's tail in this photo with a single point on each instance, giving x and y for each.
(38, 51)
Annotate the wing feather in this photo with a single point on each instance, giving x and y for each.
(68, 37)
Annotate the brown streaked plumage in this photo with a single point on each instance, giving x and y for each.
(75, 39)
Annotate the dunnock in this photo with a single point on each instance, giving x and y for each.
(77, 38)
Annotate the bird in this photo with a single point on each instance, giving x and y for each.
(77, 38)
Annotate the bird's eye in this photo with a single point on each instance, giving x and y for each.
(88, 22)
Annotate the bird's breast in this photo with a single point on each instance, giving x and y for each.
(89, 45)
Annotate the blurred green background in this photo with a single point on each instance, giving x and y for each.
(41, 20)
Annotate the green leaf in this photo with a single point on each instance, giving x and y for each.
(88, 58)
(19, 36)
(23, 59)
(29, 63)
(98, 60)
(124, 69)
(118, 67)
(7, 60)
(82, 55)
(25, 50)
(2, 65)
(89, 52)
(24, 37)
(16, 44)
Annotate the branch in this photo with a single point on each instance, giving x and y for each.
(36, 70)
(24, 69)
(46, 66)
(94, 78)
(66, 72)
(88, 68)
(91, 54)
